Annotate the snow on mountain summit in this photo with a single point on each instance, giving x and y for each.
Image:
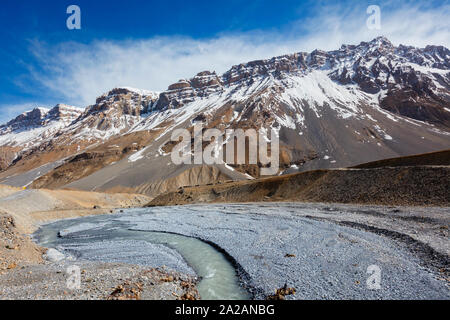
(37, 125)
(371, 94)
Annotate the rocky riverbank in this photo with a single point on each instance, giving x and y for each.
(28, 271)
(99, 281)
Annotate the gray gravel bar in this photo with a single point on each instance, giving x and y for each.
(305, 246)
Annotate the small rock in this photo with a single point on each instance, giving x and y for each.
(12, 266)
(187, 296)
(281, 293)
(167, 279)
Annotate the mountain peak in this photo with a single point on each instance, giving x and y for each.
(381, 40)
(380, 44)
(32, 116)
(64, 112)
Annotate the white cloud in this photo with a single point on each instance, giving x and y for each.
(81, 72)
(403, 23)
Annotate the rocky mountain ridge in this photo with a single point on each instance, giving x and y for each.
(330, 109)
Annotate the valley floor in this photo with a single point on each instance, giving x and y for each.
(321, 250)
(25, 274)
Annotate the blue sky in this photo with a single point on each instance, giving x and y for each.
(150, 44)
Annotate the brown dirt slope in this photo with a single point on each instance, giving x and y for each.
(198, 175)
(21, 211)
(440, 158)
(386, 186)
(29, 207)
(88, 162)
(15, 249)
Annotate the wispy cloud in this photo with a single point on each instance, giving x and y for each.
(403, 22)
(80, 72)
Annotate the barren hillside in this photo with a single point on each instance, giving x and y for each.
(392, 182)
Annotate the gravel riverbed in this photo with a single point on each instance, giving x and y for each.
(322, 251)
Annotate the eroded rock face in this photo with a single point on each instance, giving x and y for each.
(186, 91)
(122, 101)
(31, 118)
(179, 85)
(205, 79)
(375, 67)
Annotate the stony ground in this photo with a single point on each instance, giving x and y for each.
(31, 207)
(302, 250)
(16, 249)
(323, 250)
(317, 250)
(24, 274)
(99, 281)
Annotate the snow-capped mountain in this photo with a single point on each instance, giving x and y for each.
(406, 81)
(331, 109)
(33, 128)
(112, 114)
(37, 125)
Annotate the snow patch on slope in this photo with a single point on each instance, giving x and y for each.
(317, 91)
